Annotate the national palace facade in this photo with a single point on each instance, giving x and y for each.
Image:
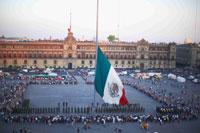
(71, 53)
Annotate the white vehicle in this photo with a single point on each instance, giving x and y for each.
(132, 75)
(123, 73)
(191, 77)
(91, 73)
(25, 70)
(195, 81)
(137, 71)
(180, 79)
(172, 76)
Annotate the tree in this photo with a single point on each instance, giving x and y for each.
(111, 38)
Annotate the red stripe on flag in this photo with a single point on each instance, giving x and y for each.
(123, 100)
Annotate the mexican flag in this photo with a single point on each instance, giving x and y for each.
(107, 82)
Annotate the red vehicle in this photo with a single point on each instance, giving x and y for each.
(39, 72)
(12, 72)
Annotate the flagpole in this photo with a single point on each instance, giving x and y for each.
(96, 50)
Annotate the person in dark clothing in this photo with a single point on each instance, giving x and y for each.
(78, 130)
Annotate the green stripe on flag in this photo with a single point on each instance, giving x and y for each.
(102, 70)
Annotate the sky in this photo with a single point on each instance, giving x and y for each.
(130, 20)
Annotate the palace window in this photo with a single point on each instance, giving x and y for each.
(82, 62)
(15, 61)
(15, 55)
(25, 61)
(55, 62)
(172, 57)
(79, 56)
(116, 62)
(25, 55)
(124, 56)
(111, 56)
(20, 55)
(35, 62)
(9, 55)
(4, 62)
(129, 62)
(116, 56)
(45, 61)
(122, 62)
(90, 61)
(60, 56)
(86, 56)
(121, 56)
(90, 56)
(142, 56)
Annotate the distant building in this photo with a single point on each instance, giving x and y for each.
(188, 41)
(188, 55)
(70, 53)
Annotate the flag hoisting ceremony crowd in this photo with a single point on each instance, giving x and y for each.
(110, 88)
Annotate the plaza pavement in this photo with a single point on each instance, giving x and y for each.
(82, 95)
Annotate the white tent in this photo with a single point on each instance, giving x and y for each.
(154, 74)
(145, 77)
(172, 76)
(91, 73)
(180, 79)
(53, 74)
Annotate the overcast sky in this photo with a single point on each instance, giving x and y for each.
(153, 20)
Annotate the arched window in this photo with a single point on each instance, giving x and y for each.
(111, 56)
(124, 56)
(142, 56)
(172, 57)
(69, 55)
(150, 57)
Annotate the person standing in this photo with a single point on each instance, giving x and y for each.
(78, 130)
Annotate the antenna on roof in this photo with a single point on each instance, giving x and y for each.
(70, 21)
(195, 36)
(118, 21)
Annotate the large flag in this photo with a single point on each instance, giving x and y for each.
(107, 82)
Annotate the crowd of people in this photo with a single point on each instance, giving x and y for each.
(11, 94)
(98, 119)
(12, 88)
(41, 80)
